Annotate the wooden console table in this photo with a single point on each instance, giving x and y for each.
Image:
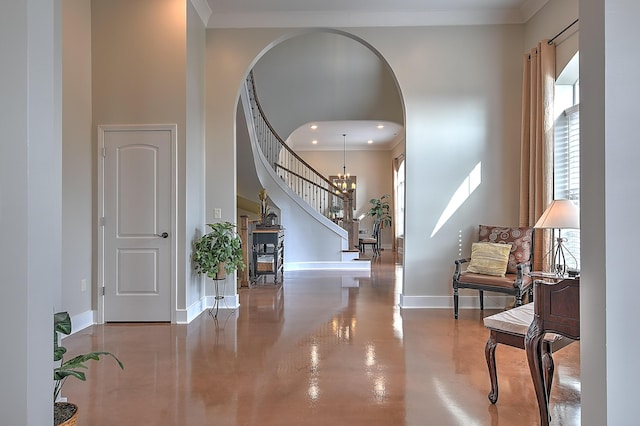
(556, 310)
(268, 252)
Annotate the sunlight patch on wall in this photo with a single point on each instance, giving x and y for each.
(470, 183)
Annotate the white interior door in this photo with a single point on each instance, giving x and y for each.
(136, 225)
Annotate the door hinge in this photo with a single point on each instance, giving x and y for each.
(103, 290)
(101, 221)
(104, 152)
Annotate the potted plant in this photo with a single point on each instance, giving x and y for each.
(219, 252)
(335, 210)
(66, 413)
(380, 210)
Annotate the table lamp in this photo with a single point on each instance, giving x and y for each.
(561, 214)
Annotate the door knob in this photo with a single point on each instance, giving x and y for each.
(163, 235)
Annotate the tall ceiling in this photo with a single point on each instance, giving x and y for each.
(358, 13)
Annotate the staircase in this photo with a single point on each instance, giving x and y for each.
(304, 196)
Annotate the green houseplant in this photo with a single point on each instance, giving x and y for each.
(65, 413)
(380, 210)
(218, 252)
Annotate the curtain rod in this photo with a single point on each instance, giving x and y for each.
(562, 32)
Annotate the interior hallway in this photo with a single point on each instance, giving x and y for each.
(317, 350)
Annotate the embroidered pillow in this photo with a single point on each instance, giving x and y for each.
(489, 258)
(520, 238)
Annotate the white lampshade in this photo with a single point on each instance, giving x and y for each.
(561, 214)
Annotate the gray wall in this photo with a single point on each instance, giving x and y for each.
(78, 154)
(30, 204)
(610, 200)
(324, 76)
(456, 116)
(193, 206)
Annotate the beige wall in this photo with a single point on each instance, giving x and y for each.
(373, 171)
(139, 62)
(139, 76)
(136, 83)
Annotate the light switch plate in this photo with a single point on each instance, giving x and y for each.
(217, 213)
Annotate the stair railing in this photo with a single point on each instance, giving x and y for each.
(315, 189)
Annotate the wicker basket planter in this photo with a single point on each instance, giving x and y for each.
(62, 411)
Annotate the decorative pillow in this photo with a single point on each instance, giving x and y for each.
(520, 238)
(489, 258)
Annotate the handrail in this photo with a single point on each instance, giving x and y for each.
(318, 191)
(282, 142)
(279, 167)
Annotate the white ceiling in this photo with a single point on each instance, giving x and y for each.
(358, 134)
(359, 13)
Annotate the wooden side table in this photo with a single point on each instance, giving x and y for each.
(556, 310)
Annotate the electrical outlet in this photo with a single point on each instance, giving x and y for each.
(217, 213)
(83, 285)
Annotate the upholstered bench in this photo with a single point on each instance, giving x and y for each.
(509, 328)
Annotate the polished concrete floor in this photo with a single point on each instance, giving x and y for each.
(324, 348)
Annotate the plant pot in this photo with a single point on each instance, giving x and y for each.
(222, 274)
(65, 414)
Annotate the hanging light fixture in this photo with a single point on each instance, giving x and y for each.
(344, 179)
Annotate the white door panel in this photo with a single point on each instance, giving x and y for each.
(137, 211)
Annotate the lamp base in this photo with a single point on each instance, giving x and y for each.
(559, 259)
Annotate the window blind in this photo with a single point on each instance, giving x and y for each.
(566, 171)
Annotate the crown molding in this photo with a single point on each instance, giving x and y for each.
(342, 19)
(203, 9)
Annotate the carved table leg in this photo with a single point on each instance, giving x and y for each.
(533, 344)
(548, 367)
(490, 354)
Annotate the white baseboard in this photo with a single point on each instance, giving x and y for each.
(353, 265)
(185, 316)
(464, 302)
(82, 321)
(229, 302)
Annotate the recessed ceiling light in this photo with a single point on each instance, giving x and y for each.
(314, 126)
(380, 126)
(369, 141)
(314, 142)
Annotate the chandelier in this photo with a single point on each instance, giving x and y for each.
(344, 182)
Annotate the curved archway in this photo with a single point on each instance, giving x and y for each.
(325, 75)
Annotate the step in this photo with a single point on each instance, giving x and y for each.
(349, 255)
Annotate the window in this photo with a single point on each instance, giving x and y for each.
(399, 202)
(566, 158)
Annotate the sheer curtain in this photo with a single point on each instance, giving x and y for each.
(536, 164)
